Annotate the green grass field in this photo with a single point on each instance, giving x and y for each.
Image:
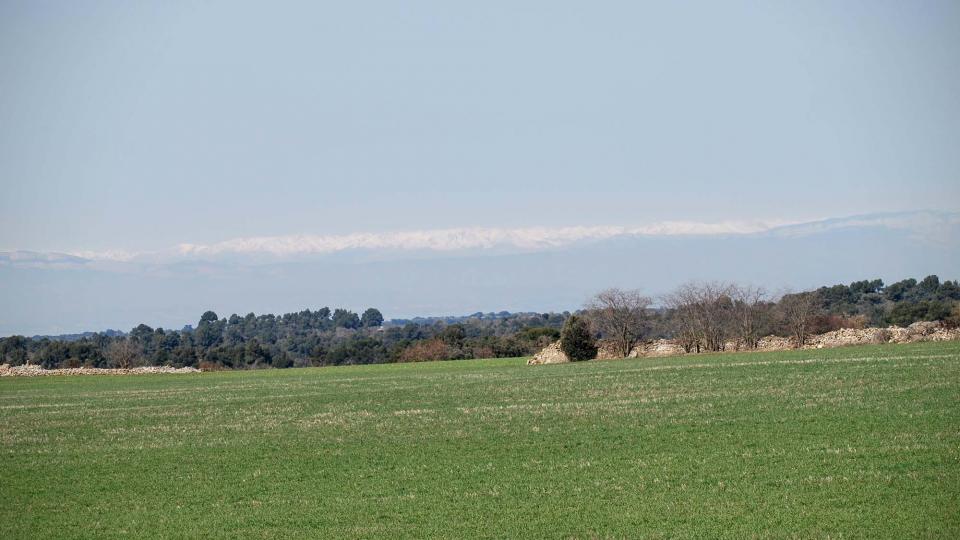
(854, 442)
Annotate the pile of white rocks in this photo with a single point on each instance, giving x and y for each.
(918, 331)
(6, 370)
(551, 354)
(774, 343)
(655, 348)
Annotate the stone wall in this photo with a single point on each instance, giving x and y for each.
(36, 371)
(659, 347)
(920, 331)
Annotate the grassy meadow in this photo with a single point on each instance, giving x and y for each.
(852, 442)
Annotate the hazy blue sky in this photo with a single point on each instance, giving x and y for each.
(125, 125)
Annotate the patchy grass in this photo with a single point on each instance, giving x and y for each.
(854, 442)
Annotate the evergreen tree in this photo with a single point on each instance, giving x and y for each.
(371, 317)
(577, 341)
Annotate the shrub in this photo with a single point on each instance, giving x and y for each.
(907, 313)
(206, 365)
(484, 352)
(425, 351)
(953, 320)
(822, 324)
(576, 340)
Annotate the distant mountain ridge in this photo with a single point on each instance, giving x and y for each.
(446, 319)
(82, 335)
(51, 295)
(265, 250)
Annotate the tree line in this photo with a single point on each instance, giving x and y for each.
(307, 338)
(714, 316)
(706, 316)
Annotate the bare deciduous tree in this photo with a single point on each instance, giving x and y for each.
(703, 312)
(751, 314)
(798, 311)
(121, 353)
(684, 321)
(620, 316)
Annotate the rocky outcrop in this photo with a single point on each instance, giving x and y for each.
(920, 331)
(7, 370)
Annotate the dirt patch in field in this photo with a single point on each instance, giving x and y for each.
(7, 370)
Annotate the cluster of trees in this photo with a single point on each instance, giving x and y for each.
(700, 316)
(900, 303)
(306, 338)
(713, 316)
(706, 316)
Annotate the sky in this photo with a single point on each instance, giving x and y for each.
(139, 126)
(129, 128)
